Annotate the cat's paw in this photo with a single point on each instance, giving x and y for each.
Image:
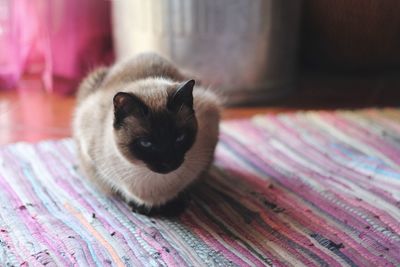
(172, 208)
(141, 209)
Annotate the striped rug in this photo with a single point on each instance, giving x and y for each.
(302, 189)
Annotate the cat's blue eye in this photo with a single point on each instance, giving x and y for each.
(180, 138)
(145, 143)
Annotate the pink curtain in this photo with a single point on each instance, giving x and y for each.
(56, 39)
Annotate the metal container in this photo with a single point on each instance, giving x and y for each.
(246, 48)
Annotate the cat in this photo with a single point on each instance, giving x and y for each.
(145, 132)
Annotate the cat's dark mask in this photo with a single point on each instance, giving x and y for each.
(159, 138)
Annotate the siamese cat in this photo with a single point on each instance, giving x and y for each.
(145, 132)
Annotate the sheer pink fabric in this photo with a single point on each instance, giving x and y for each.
(52, 38)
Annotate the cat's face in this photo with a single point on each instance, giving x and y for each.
(157, 137)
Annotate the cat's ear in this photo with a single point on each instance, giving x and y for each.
(183, 96)
(126, 104)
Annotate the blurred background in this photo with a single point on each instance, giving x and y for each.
(255, 50)
(280, 54)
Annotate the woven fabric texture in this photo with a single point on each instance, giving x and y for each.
(300, 189)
